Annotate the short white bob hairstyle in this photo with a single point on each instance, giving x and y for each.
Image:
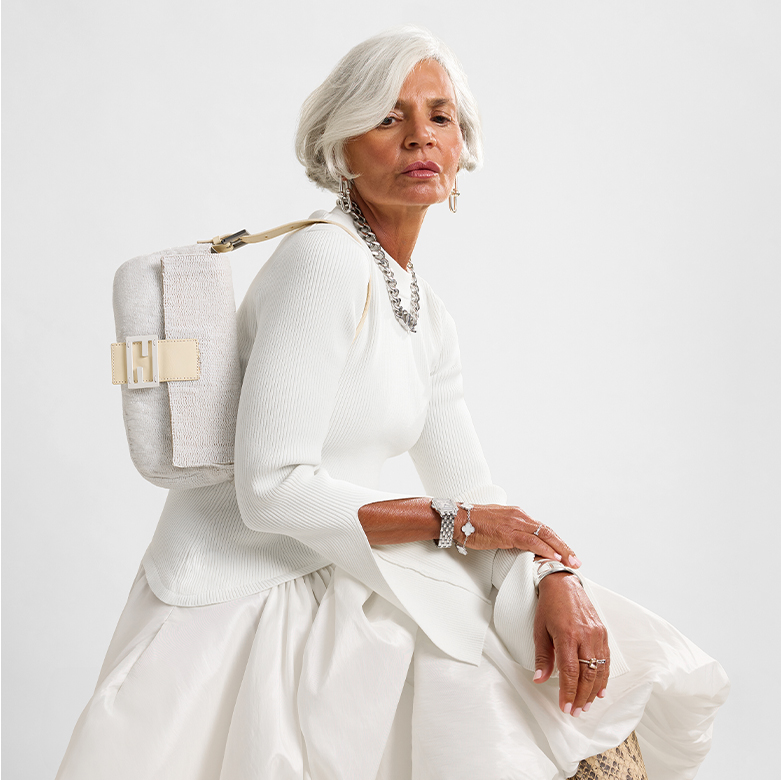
(363, 89)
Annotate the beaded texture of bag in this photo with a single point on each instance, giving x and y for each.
(624, 762)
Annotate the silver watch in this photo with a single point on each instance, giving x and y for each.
(548, 566)
(447, 509)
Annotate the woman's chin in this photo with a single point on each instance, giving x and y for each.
(422, 197)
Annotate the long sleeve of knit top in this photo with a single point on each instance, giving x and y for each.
(321, 410)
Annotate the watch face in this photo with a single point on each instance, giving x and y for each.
(444, 505)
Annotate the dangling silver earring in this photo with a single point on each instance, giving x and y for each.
(452, 200)
(345, 204)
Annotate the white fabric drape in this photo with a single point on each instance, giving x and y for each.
(319, 678)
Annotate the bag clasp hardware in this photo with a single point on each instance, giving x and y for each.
(138, 382)
(228, 242)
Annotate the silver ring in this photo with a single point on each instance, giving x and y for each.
(537, 532)
(593, 662)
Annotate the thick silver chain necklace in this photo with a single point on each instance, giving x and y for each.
(408, 319)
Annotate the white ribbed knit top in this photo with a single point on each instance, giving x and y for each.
(320, 412)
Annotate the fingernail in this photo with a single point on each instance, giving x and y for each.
(577, 712)
(575, 561)
(538, 674)
(587, 706)
(557, 556)
(568, 708)
(602, 693)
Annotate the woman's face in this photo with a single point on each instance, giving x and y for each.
(411, 157)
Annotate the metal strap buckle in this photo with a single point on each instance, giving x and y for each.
(228, 242)
(138, 383)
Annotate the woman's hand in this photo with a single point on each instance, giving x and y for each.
(567, 628)
(496, 527)
(499, 527)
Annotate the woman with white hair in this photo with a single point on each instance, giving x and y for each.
(297, 622)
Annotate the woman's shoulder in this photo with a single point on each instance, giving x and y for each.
(324, 256)
(329, 242)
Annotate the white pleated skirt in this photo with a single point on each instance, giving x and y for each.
(320, 679)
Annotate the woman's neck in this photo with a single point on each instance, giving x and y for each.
(397, 228)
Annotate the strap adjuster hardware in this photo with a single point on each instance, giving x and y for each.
(228, 242)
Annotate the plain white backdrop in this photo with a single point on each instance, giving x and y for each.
(613, 270)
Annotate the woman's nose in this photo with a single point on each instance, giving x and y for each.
(421, 134)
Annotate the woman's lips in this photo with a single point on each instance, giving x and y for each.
(422, 170)
(421, 173)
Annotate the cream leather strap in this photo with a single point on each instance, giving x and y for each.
(231, 241)
(155, 360)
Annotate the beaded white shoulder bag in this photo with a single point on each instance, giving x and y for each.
(176, 358)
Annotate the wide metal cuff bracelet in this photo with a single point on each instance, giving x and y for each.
(548, 566)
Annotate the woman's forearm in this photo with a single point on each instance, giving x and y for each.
(401, 520)
(496, 526)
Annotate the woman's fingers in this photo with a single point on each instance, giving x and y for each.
(508, 527)
(589, 682)
(581, 680)
(544, 541)
(544, 654)
(569, 676)
(600, 684)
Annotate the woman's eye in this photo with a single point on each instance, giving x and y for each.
(388, 121)
(441, 119)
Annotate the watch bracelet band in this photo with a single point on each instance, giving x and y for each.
(446, 531)
(546, 566)
(447, 510)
